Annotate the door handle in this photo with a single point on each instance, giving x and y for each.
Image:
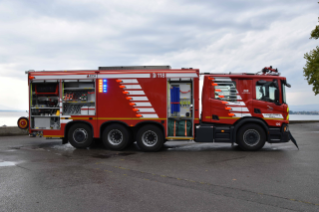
(256, 110)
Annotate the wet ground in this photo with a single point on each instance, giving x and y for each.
(44, 175)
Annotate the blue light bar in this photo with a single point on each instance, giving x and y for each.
(104, 85)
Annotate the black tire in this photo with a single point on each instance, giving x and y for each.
(251, 137)
(116, 137)
(65, 140)
(150, 138)
(80, 136)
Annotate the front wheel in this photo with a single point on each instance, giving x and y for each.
(150, 138)
(80, 136)
(251, 137)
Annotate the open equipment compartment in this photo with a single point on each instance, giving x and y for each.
(180, 102)
(44, 104)
(78, 97)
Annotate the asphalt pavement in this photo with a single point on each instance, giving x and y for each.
(43, 175)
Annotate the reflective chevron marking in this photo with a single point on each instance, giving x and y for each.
(124, 81)
(139, 98)
(149, 115)
(242, 114)
(146, 109)
(132, 87)
(242, 109)
(227, 91)
(141, 102)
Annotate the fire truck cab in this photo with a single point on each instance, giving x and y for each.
(154, 104)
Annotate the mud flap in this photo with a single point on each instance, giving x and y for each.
(293, 139)
(65, 140)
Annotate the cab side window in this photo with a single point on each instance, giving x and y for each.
(265, 91)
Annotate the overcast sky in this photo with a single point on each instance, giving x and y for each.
(212, 35)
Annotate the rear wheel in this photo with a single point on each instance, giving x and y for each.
(116, 137)
(80, 136)
(251, 137)
(150, 138)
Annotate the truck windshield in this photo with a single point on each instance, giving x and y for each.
(266, 91)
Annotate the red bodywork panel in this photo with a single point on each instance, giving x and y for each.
(119, 103)
(150, 87)
(245, 105)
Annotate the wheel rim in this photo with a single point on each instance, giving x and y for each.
(115, 137)
(149, 138)
(251, 137)
(80, 135)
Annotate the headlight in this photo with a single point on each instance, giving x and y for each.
(286, 128)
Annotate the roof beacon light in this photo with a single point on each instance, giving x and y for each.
(270, 70)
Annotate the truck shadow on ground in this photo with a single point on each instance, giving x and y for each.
(100, 152)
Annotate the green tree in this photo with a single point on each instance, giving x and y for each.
(315, 33)
(311, 69)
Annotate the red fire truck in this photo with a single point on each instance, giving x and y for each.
(155, 104)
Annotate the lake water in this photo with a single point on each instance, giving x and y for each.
(11, 118)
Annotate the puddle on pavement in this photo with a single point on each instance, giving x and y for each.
(109, 155)
(7, 163)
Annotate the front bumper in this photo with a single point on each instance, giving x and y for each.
(279, 134)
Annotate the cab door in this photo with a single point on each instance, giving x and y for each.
(266, 102)
(244, 96)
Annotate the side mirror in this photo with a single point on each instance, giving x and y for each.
(275, 83)
(277, 96)
(286, 83)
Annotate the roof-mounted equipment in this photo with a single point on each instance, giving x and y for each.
(270, 71)
(113, 68)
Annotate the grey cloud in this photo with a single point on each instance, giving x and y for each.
(237, 36)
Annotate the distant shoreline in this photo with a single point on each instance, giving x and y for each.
(304, 113)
